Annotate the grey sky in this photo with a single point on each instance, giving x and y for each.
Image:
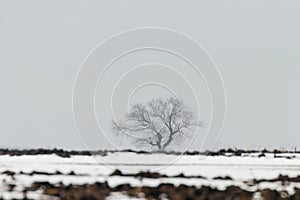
(255, 44)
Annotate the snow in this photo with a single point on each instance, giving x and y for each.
(121, 196)
(91, 169)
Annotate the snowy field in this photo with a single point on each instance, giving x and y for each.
(197, 170)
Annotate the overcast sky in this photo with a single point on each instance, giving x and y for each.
(255, 45)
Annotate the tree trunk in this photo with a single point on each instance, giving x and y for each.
(169, 141)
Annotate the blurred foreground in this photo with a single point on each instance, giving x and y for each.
(140, 175)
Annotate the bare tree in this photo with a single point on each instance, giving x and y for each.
(157, 123)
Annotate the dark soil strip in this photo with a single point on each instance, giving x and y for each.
(154, 175)
(99, 191)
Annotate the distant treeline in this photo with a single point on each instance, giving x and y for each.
(66, 153)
